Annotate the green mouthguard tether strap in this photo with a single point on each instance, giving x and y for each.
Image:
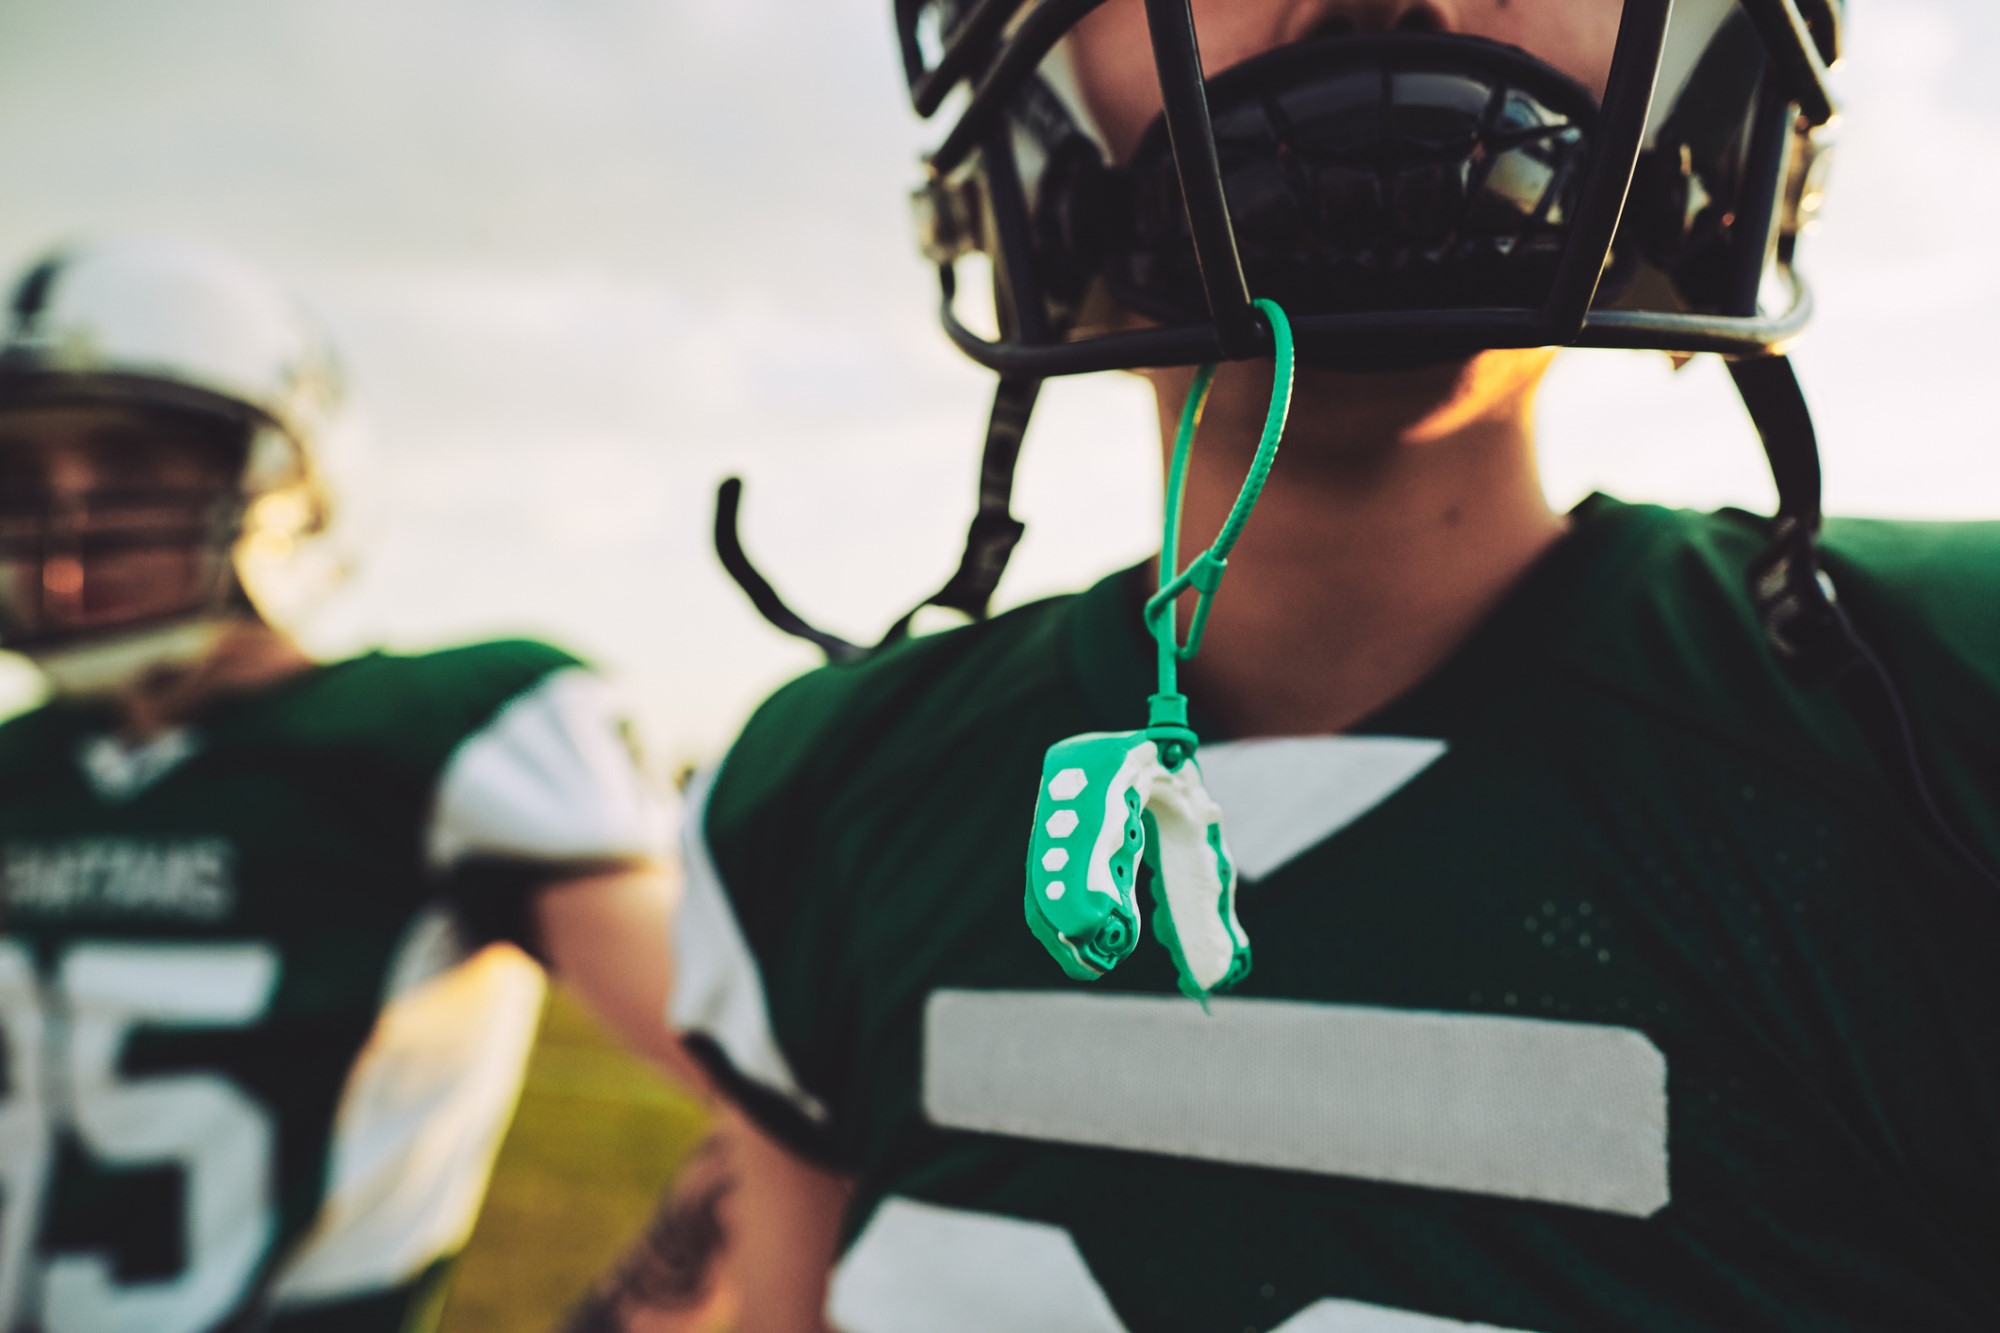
(1105, 796)
(1167, 721)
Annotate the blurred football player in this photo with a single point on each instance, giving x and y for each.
(261, 1039)
(1620, 881)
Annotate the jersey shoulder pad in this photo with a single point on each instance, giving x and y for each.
(780, 844)
(1665, 605)
(1665, 629)
(486, 674)
(420, 706)
(1929, 591)
(1680, 634)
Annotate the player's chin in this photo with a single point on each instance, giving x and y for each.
(1348, 412)
(1416, 383)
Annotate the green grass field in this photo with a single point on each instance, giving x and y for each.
(596, 1139)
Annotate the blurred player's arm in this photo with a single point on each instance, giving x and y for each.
(747, 1237)
(605, 937)
(743, 1240)
(547, 834)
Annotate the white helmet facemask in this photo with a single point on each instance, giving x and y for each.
(172, 334)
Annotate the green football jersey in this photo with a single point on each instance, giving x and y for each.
(257, 1058)
(1605, 980)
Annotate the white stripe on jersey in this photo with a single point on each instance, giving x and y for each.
(1568, 1113)
(550, 778)
(718, 988)
(1287, 795)
(424, 1109)
(918, 1267)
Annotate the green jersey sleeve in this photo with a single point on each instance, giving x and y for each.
(537, 777)
(774, 933)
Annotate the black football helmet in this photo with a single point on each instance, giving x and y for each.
(1408, 197)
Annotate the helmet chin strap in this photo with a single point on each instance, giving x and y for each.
(1795, 601)
(989, 540)
(1807, 628)
(102, 669)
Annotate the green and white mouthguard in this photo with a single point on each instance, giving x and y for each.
(1106, 796)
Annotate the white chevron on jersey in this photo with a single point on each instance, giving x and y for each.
(1285, 796)
(118, 770)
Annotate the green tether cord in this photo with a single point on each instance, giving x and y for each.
(1167, 718)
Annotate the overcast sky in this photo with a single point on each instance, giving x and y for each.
(586, 258)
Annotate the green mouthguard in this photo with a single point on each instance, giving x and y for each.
(1105, 797)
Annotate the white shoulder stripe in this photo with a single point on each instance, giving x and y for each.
(718, 987)
(420, 1118)
(918, 1267)
(1567, 1113)
(550, 778)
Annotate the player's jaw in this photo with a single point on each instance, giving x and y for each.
(1343, 423)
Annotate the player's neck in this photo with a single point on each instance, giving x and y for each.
(249, 657)
(1369, 560)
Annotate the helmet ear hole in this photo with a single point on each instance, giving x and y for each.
(273, 463)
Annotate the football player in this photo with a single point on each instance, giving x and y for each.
(261, 1037)
(1619, 880)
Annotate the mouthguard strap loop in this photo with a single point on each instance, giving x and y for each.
(1167, 722)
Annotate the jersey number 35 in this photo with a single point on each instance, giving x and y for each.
(64, 1042)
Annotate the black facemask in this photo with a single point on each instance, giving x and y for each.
(1395, 172)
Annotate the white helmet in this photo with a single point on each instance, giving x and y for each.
(165, 327)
